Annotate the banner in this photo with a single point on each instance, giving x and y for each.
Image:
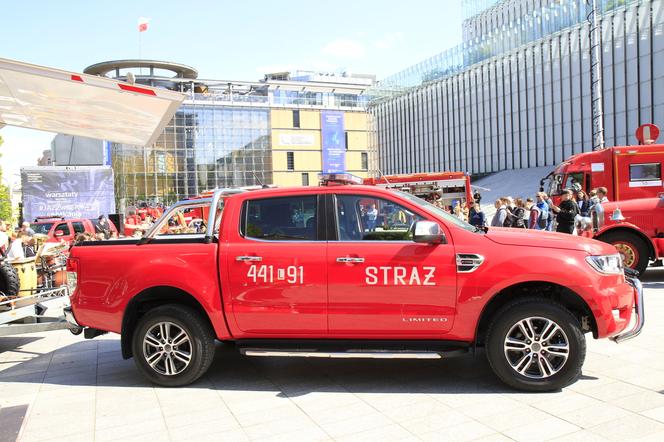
(71, 192)
(333, 142)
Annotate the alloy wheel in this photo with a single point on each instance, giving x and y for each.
(167, 348)
(536, 347)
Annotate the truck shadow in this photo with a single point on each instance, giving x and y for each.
(100, 364)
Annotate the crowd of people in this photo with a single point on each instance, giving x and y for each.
(540, 213)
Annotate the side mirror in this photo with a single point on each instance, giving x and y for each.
(59, 233)
(428, 232)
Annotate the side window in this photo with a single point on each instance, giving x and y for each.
(364, 218)
(574, 180)
(289, 218)
(645, 172)
(78, 227)
(64, 227)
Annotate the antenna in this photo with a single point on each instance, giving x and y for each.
(264, 186)
(383, 176)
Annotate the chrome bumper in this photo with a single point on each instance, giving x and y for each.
(69, 316)
(638, 307)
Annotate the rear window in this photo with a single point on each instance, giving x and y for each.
(41, 228)
(289, 219)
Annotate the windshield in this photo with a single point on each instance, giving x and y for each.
(555, 188)
(41, 228)
(437, 211)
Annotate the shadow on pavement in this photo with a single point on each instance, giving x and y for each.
(81, 364)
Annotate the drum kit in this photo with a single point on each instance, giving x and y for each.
(46, 270)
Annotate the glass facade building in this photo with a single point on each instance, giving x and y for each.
(234, 134)
(517, 93)
(202, 148)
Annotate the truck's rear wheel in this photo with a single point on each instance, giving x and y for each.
(173, 345)
(633, 249)
(535, 344)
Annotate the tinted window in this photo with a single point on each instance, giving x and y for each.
(645, 172)
(364, 218)
(78, 227)
(292, 218)
(64, 227)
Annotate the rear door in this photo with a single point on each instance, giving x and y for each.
(276, 263)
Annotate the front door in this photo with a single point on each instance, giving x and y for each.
(381, 283)
(277, 268)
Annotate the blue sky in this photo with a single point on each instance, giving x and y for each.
(238, 40)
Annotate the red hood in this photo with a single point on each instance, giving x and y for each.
(548, 240)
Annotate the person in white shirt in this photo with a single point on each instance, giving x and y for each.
(372, 214)
(16, 249)
(601, 195)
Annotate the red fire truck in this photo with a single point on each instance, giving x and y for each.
(627, 172)
(634, 219)
(449, 187)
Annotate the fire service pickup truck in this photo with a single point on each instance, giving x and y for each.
(351, 271)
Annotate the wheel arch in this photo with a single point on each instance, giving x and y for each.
(148, 299)
(630, 229)
(542, 289)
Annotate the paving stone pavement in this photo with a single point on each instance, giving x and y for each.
(58, 387)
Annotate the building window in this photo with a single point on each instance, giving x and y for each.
(290, 160)
(305, 179)
(296, 118)
(365, 161)
(346, 139)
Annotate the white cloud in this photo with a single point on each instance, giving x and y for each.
(343, 48)
(389, 40)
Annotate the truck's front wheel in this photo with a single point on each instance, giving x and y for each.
(535, 345)
(173, 345)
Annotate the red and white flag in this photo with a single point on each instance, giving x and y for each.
(143, 24)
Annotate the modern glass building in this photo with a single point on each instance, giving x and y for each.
(516, 93)
(230, 133)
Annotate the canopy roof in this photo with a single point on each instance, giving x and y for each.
(53, 100)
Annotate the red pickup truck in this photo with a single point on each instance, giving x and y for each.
(61, 229)
(351, 271)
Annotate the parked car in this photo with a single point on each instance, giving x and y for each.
(61, 229)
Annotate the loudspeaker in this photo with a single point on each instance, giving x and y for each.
(118, 220)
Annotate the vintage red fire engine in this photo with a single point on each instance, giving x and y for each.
(632, 176)
(351, 271)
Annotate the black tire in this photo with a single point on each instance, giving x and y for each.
(638, 247)
(507, 318)
(9, 282)
(200, 345)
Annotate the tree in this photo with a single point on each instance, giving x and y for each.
(5, 197)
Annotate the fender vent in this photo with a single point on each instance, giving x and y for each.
(468, 262)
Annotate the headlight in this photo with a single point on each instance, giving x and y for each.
(609, 264)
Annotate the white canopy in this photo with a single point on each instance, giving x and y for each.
(53, 100)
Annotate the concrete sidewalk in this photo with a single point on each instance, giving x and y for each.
(59, 387)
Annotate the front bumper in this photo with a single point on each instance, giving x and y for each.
(638, 307)
(69, 316)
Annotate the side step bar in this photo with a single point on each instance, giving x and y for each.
(357, 354)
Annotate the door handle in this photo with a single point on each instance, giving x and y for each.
(348, 259)
(248, 258)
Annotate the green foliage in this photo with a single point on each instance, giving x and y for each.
(5, 200)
